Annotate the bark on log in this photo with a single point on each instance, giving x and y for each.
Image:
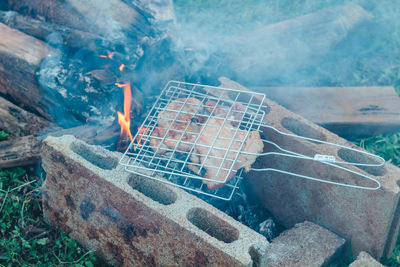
(20, 122)
(20, 57)
(19, 151)
(24, 151)
(347, 111)
(106, 18)
(41, 30)
(277, 50)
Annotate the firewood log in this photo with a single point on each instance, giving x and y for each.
(41, 30)
(20, 122)
(24, 151)
(20, 57)
(106, 18)
(19, 151)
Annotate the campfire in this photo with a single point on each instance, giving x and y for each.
(202, 156)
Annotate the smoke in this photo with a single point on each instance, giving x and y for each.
(301, 43)
(257, 43)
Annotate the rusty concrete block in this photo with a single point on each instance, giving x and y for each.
(369, 219)
(131, 220)
(306, 244)
(365, 260)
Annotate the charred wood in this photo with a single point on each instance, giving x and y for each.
(91, 133)
(40, 29)
(20, 57)
(20, 122)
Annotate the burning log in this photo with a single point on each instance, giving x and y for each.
(279, 49)
(20, 151)
(19, 122)
(20, 57)
(72, 37)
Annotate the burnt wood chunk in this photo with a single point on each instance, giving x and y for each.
(20, 57)
(19, 151)
(20, 122)
(347, 111)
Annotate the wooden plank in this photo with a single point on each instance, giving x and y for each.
(347, 111)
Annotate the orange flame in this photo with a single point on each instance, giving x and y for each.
(121, 68)
(125, 119)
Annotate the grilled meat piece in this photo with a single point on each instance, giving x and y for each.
(217, 146)
(234, 114)
(221, 150)
(178, 125)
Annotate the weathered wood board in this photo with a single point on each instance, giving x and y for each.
(347, 111)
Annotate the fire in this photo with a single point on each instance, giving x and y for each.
(110, 55)
(121, 68)
(124, 119)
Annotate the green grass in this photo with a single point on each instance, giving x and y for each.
(3, 135)
(25, 240)
(387, 146)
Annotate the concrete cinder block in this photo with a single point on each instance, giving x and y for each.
(365, 260)
(306, 244)
(131, 220)
(369, 219)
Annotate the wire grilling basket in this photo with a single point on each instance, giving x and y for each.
(200, 138)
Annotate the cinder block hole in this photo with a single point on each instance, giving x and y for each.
(301, 128)
(95, 155)
(352, 156)
(398, 183)
(155, 190)
(212, 225)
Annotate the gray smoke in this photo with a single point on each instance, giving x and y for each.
(280, 42)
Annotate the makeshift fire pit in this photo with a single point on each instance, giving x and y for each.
(80, 90)
(72, 202)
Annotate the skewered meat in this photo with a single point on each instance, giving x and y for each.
(222, 150)
(178, 125)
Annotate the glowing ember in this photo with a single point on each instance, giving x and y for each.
(124, 119)
(109, 55)
(121, 68)
(142, 132)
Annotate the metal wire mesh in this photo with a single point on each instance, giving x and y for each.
(193, 131)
